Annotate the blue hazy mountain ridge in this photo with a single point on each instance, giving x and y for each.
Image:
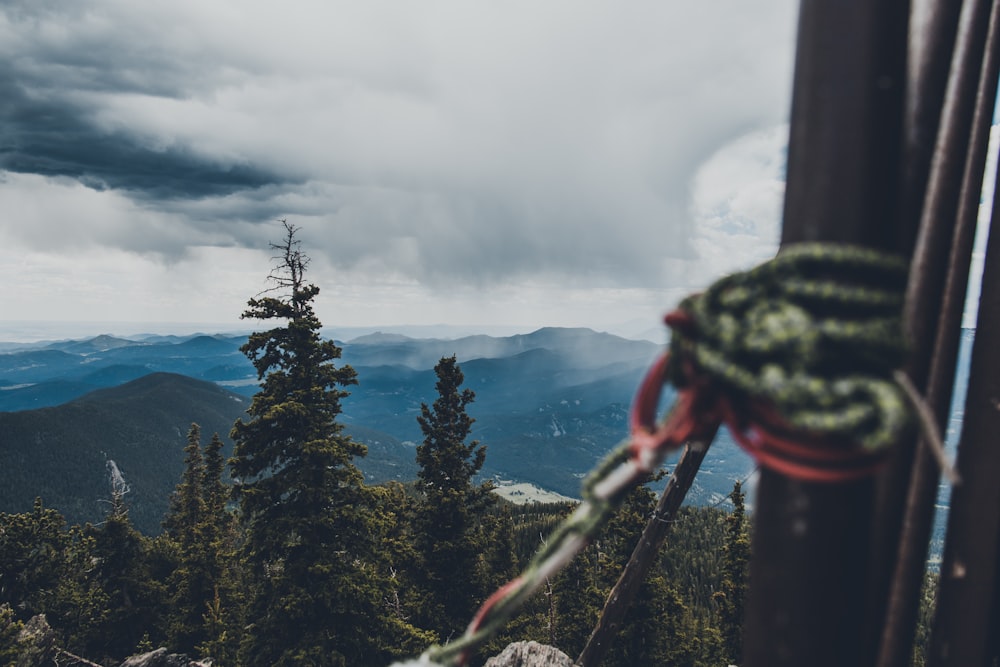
(549, 405)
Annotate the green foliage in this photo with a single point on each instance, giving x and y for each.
(449, 537)
(306, 512)
(60, 453)
(446, 462)
(46, 568)
(736, 563)
(126, 574)
(199, 535)
(658, 627)
(32, 553)
(579, 599)
(10, 628)
(672, 620)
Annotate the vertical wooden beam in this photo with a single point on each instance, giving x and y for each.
(949, 222)
(964, 630)
(933, 26)
(845, 136)
(811, 540)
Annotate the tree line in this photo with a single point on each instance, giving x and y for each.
(284, 556)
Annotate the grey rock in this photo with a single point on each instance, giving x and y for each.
(37, 643)
(530, 654)
(160, 658)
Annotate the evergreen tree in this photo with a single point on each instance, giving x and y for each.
(10, 646)
(658, 628)
(306, 510)
(46, 568)
(32, 554)
(579, 601)
(398, 558)
(187, 507)
(736, 559)
(502, 563)
(195, 527)
(122, 570)
(449, 516)
(214, 491)
(221, 612)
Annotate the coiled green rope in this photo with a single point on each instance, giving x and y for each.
(816, 331)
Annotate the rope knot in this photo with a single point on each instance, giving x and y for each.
(802, 350)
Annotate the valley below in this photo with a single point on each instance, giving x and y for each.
(549, 405)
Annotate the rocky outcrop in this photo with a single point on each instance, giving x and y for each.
(530, 654)
(160, 658)
(36, 643)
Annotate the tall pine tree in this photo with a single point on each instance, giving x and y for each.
(220, 535)
(122, 566)
(200, 541)
(302, 499)
(736, 562)
(449, 516)
(189, 586)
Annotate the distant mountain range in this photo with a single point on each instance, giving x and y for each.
(549, 405)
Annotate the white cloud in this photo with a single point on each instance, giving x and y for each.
(736, 204)
(538, 159)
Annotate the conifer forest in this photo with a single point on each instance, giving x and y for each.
(283, 555)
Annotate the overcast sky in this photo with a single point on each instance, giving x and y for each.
(568, 162)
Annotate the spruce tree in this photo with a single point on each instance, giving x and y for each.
(122, 568)
(736, 559)
(579, 601)
(302, 500)
(10, 628)
(46, 568)
(221, 615)
(183, 525)
(450, 536)
(32, 554)
(214, 491)
(197, 530)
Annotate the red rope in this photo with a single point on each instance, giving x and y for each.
(799, 455)
(692, 415)
(700, 407)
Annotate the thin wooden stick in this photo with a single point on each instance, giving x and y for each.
(653, 536)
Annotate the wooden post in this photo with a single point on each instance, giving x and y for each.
(941, 278)
(932, 42)
(644, 554)
(811, 540)
(964, 627)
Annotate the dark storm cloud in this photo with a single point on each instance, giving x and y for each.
(42, 133)
(438, 142)
(51, 95)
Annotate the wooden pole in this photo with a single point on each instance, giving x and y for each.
(964, 626)
(644, 554)
(949, 221)
(811, 540)
(933, 28)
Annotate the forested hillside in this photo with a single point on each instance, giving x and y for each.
(43, 555)
(62, 453)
